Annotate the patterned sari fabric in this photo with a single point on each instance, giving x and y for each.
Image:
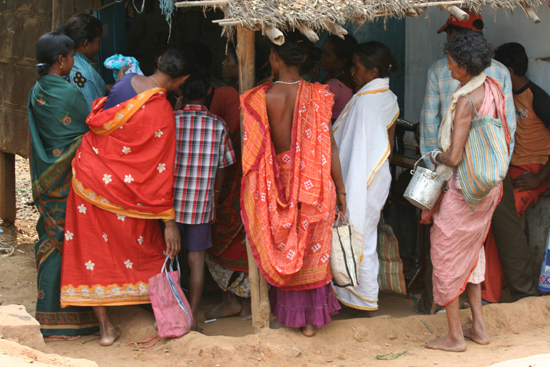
(122, 183)
(228, 247)
(288, 207)
(56, 114)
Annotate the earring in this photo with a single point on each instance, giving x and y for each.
(61, 66)
(86, 49)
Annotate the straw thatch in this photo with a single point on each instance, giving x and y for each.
(317, 15)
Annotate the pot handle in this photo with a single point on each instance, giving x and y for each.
(416, 164)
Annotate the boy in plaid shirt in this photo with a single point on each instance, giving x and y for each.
(203, 149)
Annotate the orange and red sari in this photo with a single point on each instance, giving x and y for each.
(288, 200)
(122, 185)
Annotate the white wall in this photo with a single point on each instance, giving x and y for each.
(423, 46)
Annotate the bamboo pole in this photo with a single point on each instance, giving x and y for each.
(186, 4)
(530, 12)
(258, 285)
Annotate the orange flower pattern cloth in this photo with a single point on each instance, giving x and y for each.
(288, 200)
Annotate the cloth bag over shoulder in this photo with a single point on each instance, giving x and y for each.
(172, 312)
(485, 160)
(345, 255)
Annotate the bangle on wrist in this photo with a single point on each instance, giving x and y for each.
(340, 192)
(434, 155)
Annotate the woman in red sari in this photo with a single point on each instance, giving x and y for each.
(122, 185)
(291, 174)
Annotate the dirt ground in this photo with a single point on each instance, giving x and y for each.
(517, 330)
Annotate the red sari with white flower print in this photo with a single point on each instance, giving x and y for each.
(122, 185)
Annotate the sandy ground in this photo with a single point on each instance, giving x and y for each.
(517, 330)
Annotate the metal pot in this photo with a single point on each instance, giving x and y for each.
(425, 187)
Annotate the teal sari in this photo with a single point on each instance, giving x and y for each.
(57, 114)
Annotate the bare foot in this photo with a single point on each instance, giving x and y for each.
(447, 344)
(246, 313)
(224, 310)
(309, 330)
(60, 338)
(109, 336)
(480, 337)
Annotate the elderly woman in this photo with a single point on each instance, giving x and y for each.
(364, 135)
(460, 225)
(57, 120)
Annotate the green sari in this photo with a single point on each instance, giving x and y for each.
(57, 114)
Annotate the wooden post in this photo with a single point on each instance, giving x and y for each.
(258, 285)
(62, 10)
(7, 183)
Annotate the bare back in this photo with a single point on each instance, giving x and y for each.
(280, 102)
(142, 83)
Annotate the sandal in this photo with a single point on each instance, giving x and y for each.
(145, 343)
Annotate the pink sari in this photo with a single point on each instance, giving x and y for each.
(458, 233)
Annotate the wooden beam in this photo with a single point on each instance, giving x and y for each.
(7, 183)
(62, 10)
(186, 4)
(258, 285)
(246, 53)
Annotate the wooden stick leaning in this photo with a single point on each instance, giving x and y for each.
(258, 285)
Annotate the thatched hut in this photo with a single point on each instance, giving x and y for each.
(26, 20)
(310, 17)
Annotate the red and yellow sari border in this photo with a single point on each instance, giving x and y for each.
(105, 204)
(98, 295)
(128, 109)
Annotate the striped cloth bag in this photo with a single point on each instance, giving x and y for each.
(485, 159)
(390, 272)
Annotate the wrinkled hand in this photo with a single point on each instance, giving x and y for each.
(341, 202)
(526, 181)
(172, 239)
(122, 72)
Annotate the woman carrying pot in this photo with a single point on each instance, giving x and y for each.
(463, 217)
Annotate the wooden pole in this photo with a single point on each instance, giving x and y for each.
(7, 183)
(62, 10)
(258, 285)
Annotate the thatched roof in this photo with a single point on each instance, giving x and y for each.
(315, 15)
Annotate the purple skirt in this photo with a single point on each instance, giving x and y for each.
(297, 308)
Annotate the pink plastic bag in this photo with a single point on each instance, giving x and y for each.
(172, 311)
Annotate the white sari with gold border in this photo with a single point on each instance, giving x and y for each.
(361, 133)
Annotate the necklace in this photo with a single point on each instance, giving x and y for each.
(287, 83)
(150, 76)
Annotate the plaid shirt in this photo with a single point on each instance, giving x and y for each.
(87, 79)
(202, 146)
(439, 92)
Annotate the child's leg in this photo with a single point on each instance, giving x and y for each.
(196, 282)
